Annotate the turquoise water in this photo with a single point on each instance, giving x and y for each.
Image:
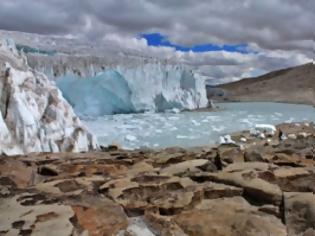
(188, 129)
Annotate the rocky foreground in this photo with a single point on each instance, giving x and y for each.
(265, 186)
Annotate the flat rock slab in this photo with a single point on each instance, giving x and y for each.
(299, 209)
(232, 216)
(19, 218)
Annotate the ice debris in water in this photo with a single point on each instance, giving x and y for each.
(242, 139)
(144, 126)
(175, 110)
(268, 129)
(226, 139)
(263, 130)
(130, 138)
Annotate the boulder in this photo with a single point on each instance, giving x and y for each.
(299, 213)
(28, 214)
(266, 128)
(249, 177)
(231, 216)
(106, 219)
(185, 166)
(253, 156)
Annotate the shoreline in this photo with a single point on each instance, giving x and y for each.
(218, 108)
(267, 101)
(204, 127)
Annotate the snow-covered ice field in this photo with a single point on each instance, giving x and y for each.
(188, 129)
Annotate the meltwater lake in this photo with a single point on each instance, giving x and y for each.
(189, 129)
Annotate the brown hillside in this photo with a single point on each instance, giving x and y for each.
(293, 85)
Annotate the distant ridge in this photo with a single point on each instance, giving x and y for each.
(291, 85)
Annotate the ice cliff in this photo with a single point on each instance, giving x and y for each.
(106, 93)
(97, 86)
(100, 79)
(97, 78)
(34, 117)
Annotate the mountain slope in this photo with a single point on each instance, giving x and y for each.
(293, 85)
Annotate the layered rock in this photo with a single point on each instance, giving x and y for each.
(167, 192)
(34, 116)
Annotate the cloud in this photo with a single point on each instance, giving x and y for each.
(271, 24)
(279, 33)
(46, 17)
(215, 66)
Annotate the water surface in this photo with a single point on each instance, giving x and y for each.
(188, 129)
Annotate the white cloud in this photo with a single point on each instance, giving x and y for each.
(280, 33)
(271, 24)
(219, 66)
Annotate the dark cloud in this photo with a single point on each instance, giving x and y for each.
(271, 24)
(281, 32)
(132, 17)
(46, 17)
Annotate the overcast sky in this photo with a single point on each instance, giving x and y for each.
(276, 33)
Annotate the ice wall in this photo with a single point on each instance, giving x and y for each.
(124, 89)
(159, 86)
(34, 117)
(147, 83)
(144, 84)
(105, 93)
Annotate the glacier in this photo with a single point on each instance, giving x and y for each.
(111, 80)
(106, 93)
(34, 117)
(146, 87)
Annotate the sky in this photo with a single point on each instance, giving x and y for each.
(157, 39)
(224, 40)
